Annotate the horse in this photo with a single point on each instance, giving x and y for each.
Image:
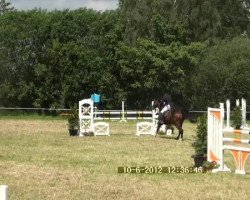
(173, 117)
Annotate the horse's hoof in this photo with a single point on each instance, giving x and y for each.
(181, 139)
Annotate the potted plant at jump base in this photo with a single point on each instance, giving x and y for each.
(200, 142)
(73, 123)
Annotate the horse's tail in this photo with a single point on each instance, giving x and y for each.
(185, 114)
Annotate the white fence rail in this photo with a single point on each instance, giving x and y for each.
(100, 113)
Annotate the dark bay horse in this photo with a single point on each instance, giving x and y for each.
(173, 117)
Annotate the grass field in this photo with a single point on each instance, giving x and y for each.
(39, 160)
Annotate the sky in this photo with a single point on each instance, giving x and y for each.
(64, 4)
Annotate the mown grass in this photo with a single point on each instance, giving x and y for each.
(39, 160)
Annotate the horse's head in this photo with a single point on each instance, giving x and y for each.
(156, 104)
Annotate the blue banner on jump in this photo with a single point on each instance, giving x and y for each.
(96, 98)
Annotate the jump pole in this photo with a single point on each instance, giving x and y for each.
(4, 192)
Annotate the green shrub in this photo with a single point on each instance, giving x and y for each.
(236, 117)
(200, 143)
(73, 122)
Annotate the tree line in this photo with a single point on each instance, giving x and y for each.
(196, 50)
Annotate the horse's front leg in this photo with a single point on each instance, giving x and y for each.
(180, 136)
(158, 128)
(172, 129)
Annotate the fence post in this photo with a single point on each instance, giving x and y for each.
(4, 192)
(123, 119)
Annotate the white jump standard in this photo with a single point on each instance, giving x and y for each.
(150, 127)
(86, 109)
(86, 120)
(215, 139)
(145, 128)
(101, 128)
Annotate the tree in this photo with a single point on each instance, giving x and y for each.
(150, 69)
(213, 19)
(201, 18)
(235, 17)
(4, 6)
(136, 19)
(72, 53)
(224, 73)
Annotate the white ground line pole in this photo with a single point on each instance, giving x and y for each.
(3, 192)
(123, 113)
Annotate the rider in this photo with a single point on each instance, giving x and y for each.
(167, 105)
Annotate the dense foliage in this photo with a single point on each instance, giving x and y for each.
(198, 51)
(223, 74)
(236, 117)
(200, 142)
(5, 6)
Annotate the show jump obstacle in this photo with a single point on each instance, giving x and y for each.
(86, 120)
(150, 127)
(146, 127)
(88, 116)
(216, 139)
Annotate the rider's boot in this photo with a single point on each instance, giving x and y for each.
(160, 118)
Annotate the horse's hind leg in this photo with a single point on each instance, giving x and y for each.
(180, 135)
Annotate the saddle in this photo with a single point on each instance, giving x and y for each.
(167, 115)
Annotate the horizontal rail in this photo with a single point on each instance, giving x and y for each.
(96, 111)
(50, 109)
(197, 111)
(118, 118)
(235, 131)
(107, 113)
(229, 147)
(121, 112)
(235, 140)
